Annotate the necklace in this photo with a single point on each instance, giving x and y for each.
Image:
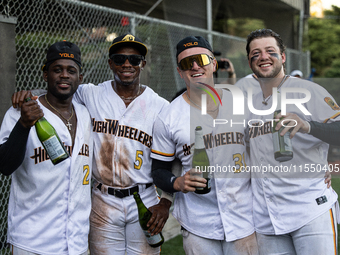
(69, 125)
(130, 98)
(197, 104)
(265, 100)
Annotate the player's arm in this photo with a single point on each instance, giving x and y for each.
(327, 132)
(160, 214)
(167, 181)
(12, 152)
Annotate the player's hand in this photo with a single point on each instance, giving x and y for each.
(230, 69)
(328, 179)
(18, 98)
(30, 113)
(160, 214)
(189, 182)
(293, 123)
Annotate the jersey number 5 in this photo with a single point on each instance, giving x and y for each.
(139, 161)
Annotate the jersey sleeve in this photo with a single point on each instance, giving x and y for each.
(81, 94)
(322, 106)
(10, 119)
(163, 147)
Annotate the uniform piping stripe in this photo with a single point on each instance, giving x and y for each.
(333, 117)
(163, 154)
(334, 232)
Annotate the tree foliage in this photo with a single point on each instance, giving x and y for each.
(324, 43)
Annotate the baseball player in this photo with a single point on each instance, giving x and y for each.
(49, 205)
(219, 222)
(123, 112)
(294, 212)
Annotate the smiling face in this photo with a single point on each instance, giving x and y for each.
(196, 73)
(265, 58)
(126, 74)
(63, 77)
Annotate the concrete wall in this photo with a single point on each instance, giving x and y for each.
(7, 63)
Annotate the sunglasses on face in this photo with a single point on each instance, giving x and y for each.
(200, 59)
(119, 59)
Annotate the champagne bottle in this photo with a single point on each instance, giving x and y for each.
(200, 161)
(144, 216)
(50, 140)
(283, 150)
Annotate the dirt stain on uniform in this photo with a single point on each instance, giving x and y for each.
(114, 163)
(247, 245)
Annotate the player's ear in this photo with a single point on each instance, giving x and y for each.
(45, 75)
(215, 64)
(180, 72)
(283, 56)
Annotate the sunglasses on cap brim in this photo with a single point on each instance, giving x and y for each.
(200, 59)
(119, 59)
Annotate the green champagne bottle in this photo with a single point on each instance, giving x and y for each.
(50, 140)
(144, 216)
(200, 161)
(283, 150)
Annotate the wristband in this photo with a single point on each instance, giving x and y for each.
(167, 196)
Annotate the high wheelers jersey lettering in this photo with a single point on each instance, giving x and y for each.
(112, 127)
(257, 129)
(220, 139)
(40, 154)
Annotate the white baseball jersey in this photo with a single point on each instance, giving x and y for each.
(226, 211)
(246, 82)
(49, 205)
(122, 135)
(293, 194)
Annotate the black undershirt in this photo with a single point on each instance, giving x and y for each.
(12, 152)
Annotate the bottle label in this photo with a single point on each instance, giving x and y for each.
(286, 142)
(53, 148)
(152, 239)
(276, 143)
(208, 183)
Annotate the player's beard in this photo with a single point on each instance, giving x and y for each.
(62, 96)
(126, 83)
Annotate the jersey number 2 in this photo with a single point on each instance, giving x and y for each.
(86, 171)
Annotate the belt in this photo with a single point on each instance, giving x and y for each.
(121, 193)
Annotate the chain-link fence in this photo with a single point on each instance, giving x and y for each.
(43, 22)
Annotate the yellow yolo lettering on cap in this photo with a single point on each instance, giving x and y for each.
(190, 44)
(66, 55)
(128, 38)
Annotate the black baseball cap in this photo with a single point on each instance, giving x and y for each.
(128, 40)
(62, 50)
(192, 41)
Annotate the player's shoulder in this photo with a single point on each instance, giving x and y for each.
(306, 84)
(249, 79)
(176, 107)
(93, 87)
(152, 95)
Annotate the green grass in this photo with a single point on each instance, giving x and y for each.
(173, 247)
